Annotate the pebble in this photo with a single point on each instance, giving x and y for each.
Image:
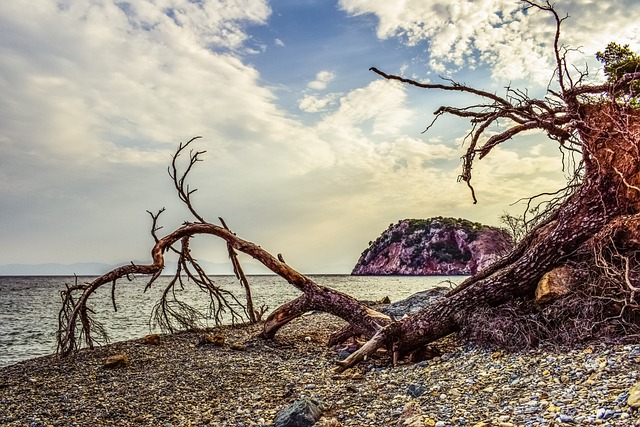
(181, 384)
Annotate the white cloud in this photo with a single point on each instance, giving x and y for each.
(381, 105)
(323, 78)
(153, 79)
(95, 98)
(94, 94)
(279, 42)
(420, 152)
(315, 104)
(516, 44)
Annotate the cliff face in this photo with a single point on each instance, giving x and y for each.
(435, 246)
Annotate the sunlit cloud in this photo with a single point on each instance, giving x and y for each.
(323, 78)
(96, 95)
(514, 41)
(314, 104)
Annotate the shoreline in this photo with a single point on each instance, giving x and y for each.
(247, 381)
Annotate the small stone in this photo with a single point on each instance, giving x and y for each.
(416, 390)
(328, 422)
(237, 346)
(343, 354)
(411, 416)
(565, 418)
(151, 339)
(116, 361)
(217, 340)
(553, 408)
(302, 413)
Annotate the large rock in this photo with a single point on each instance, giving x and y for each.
(301, 413)
(554, 284)
(415, 302)
(634, 396)
(217, 340)
(435, 246)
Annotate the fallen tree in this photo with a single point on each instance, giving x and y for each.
(593, 222)
(77, 324)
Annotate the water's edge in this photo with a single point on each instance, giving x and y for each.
(29, 304)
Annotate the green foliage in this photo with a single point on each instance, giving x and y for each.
(423, 224)
(620, 60)
(516, 226)
(448, 251)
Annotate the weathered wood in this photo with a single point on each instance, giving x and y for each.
(609, 191)
(606, 202)
(239, 272)
(366, 321)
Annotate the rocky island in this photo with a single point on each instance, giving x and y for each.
(434, 246)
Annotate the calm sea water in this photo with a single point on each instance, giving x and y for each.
(29, 305)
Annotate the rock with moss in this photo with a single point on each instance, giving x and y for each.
(434, 246)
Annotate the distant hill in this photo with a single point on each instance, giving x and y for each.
(96, 268)
(434, 246)
(52, 269)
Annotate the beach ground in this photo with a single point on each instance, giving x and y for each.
(247, 380)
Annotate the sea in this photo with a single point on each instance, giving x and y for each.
(29, 305)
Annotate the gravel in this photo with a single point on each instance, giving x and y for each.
(187, 381)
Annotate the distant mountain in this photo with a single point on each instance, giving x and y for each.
(96, 268)
(434, 246)
(52, 269)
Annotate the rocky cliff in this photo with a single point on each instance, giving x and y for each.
(434, 246)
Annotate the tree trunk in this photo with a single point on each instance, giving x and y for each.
(610, 188)
(362, 319)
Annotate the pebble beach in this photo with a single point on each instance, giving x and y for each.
(245, 381)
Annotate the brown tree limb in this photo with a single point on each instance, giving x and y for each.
(320, 298)
(237, 270)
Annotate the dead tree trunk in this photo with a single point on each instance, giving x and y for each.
(609, 193)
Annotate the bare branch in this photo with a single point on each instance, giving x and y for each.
(237, 270)
(457, 87)
(184, 193)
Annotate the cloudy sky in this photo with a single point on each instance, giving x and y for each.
(308, 153)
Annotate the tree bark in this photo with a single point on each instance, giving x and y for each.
(610, 189)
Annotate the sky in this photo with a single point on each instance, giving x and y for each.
(308, 153)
